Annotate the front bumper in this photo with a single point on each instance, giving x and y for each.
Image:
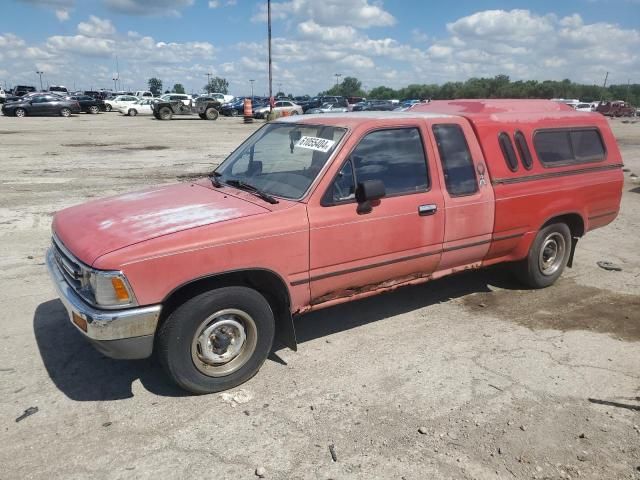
(122, 334)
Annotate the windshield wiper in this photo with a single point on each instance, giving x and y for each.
(213, 176)
(251, 189)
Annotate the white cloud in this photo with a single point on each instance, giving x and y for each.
(357, 13)
(62, 14)
(96, 27)
(214, 3)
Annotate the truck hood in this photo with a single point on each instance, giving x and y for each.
(96, 228)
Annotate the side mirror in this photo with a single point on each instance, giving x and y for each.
(367, 192)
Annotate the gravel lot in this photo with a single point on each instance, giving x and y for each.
(503, 383)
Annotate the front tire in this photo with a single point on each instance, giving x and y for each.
(65, 112)
(548, 256)
(165, 113)
(216, 340)
(132, 112)
(94, 109)
(20, 112)
(211, 113)
(108, 107)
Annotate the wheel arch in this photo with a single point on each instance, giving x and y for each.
(267, 282)
(574, 220)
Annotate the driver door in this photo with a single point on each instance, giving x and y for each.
(400, 239)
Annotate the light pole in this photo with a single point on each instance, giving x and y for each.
(208, 82)
(270, 69)
(252, 88)
(115, 84)
(40, 74)
(337, 75)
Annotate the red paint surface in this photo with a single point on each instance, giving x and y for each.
(165, 237)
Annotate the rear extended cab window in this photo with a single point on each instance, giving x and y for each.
(568, 146)
(457, 164)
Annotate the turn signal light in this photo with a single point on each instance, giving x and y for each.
(120, 289)
(79, 321)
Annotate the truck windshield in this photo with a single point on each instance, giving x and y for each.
(281, 159)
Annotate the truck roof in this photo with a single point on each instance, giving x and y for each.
(476, 111)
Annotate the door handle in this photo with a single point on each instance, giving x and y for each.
(425, 210)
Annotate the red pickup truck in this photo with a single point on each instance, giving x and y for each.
(314, 211)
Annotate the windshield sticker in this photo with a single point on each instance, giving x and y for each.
(315, 143)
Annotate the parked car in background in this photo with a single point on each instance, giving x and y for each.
(220, 97)
(234, 108)
(89, 104)
(205, 107)
(3, 95)
(143, 106)
(375, 105)
(143, 93)
(20, 90)
(351, 101)
(280, 106)
(119, 101)
(172, 97)
(58, 89)
(41, 104)
(583, 107)
(616, 109)
(328, 108)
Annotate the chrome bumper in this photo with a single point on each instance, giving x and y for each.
(125, 334)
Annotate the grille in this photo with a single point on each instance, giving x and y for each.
(69, 267)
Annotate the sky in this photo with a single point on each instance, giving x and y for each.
(78, 43)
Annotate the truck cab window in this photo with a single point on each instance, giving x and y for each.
(395, 156)
(457, 164)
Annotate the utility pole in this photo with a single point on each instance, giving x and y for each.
(606, 77)
(208, 82)
(337, 75)
(628, 87)
(40, 73)
(270, 69)
(115, 84)
(252, 88)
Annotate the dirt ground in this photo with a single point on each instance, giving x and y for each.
(504, 383)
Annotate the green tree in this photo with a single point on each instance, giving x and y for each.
(178, 88)
(350, 87)
(217, 85)
(155, 85)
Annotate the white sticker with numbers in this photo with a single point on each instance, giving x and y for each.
(315, 143)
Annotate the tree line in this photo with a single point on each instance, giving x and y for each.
(499, 86)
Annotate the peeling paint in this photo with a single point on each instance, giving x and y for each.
(169, 220)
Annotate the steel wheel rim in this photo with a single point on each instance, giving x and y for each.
(19, 112)
(552, 253)
(224, 342)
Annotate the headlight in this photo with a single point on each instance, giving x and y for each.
(107, 289)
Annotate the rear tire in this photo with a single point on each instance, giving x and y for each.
(165, 113)
(132, 112)
(108, 107)
(548, 256)
(94, 109)
(65, 112)
(211, 113)
(216, 340)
